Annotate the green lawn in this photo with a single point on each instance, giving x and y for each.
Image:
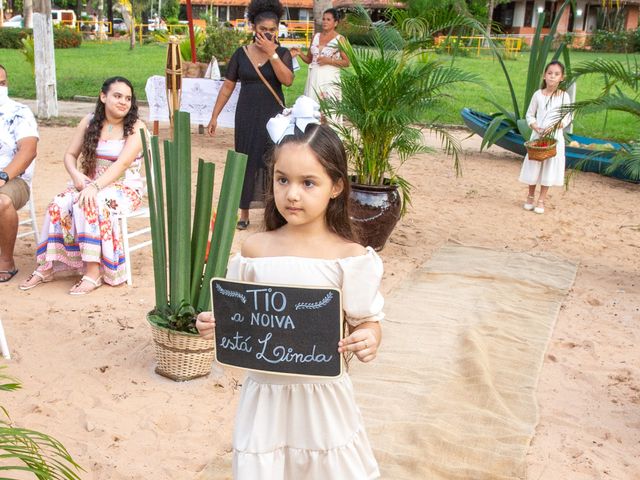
(81, 72)
(618, 125)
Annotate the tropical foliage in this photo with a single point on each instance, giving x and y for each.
(220, 42)
(182, 270)
(25, 450)
(388, 90)
(621, 93)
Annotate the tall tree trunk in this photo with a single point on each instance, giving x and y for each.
(490, 6)
(45, 60)
(109, 12)
(319, 6)
(27, 13)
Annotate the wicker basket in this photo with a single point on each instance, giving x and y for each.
(181, 356)
(541, 153)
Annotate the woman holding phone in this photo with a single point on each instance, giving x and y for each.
(262, 68)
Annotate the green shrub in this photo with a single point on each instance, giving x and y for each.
(612, 41)
(634, 40)
(12, 37)
(221, 42)
(62, 37)
(356, 34)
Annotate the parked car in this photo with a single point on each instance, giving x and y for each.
(65, 17)
(14, 22)
(119, 25)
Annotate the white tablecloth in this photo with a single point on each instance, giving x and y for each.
(198, 98)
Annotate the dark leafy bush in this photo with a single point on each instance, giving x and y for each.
(12, 37)
(66, 38)
(634, 40)
(62, 37)
(221, 42)
(356, 34)
(613, 41)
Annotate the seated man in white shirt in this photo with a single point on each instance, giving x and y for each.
(18, 142)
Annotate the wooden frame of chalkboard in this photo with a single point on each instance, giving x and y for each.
(280, 329)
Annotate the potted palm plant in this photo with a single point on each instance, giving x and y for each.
(182, 271)
(386, 94)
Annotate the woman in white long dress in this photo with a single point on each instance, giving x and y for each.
(325, 59)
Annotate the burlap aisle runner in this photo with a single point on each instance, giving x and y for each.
(452, 393)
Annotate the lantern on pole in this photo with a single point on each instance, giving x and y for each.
(173, 77)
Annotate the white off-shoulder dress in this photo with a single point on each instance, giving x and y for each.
(303, 428)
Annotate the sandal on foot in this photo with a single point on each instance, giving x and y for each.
(529, 203)
(540, 207)
(95, 284)
(11, 273)
(242, 224)
(40, 278)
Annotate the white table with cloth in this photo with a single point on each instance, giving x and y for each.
(198, 97)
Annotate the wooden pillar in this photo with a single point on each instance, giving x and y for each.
(45, 61)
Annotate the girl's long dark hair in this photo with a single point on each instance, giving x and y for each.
(329, 151)
(94, 129)
(544, 84)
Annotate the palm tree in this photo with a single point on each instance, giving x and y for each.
(33, 452)
(616, 74)
(388, 91)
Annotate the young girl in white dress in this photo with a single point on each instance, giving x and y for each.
(291, 427)
(542, 115)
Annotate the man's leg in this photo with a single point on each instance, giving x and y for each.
(13, 196)
(8, 233)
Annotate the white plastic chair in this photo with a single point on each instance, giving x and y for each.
(142, 212)
(31, 220)
(3, 343)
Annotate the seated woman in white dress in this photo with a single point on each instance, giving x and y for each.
(325, 59)
(293, 427)
(80, 231)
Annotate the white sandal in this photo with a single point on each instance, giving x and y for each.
(540, 207)
(529, 204)
(96, 284)
(41, 279)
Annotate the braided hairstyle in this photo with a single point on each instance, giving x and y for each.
(259, 10)
(94, 129)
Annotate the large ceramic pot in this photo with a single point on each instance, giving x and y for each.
(375, 210)
(181, 356)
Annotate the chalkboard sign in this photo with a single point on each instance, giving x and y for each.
(278, 329)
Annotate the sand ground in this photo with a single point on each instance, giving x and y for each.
(87, 363)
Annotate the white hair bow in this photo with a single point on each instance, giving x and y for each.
(304, 111)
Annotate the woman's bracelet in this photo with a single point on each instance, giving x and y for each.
(95, 184)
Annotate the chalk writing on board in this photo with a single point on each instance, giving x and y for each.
(313, 306)
(229, 293)
(280, 329)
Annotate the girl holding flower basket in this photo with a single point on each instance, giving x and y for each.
(548, 133)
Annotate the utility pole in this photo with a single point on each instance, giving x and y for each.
(45, 62)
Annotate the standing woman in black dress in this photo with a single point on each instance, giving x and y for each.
(256, 104)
